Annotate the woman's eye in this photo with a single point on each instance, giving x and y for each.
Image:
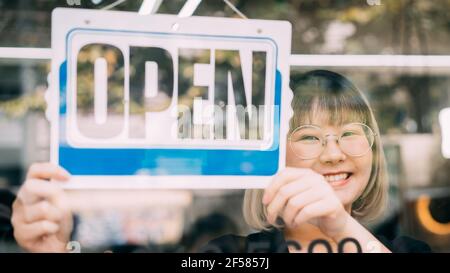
(351, 133)
(309, 138)
(348, 134)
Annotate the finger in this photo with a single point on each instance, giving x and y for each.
(34, 231)
(285, 176)
(314, 210)
(47, 171)
(298, 202)
(37, 190)
(42, 211)
(283, 195)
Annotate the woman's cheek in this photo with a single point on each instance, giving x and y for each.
(364, 165)
(291, 158)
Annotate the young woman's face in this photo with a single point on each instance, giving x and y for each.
(348, 175)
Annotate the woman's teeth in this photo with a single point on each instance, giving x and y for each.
(336, 177)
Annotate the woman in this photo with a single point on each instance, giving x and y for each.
(336, 178)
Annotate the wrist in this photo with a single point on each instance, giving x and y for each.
(347, 230)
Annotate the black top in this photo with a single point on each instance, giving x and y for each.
(6, 229)
(273, 241)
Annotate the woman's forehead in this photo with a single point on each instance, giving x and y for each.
(324, 118)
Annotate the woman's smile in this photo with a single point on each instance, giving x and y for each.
(337, 179)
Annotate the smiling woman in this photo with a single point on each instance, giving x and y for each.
(326, 104)
(331, 101)
(335, 178)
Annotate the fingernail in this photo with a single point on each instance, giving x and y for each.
(65, 173)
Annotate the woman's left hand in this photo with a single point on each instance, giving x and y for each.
(304, 196)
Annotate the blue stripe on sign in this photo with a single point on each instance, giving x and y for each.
(168, 161)
(63, 86)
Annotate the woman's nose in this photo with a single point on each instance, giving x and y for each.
(332, 153)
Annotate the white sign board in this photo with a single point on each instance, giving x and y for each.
(162, 101)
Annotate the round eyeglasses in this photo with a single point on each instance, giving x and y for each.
(309, 141)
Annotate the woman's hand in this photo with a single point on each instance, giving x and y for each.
(41, 215)
(304, 196)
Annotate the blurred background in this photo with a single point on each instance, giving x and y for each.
(407, 99)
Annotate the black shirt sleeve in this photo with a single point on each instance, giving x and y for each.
(271, 241)
(274, 242)
(225, 244)
(405, 244)
(6, 228)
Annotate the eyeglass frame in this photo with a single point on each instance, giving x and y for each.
(324, 140)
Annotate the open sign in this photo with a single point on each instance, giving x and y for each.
(176, 93)
(164, 107)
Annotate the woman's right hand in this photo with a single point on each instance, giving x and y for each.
(41, 217)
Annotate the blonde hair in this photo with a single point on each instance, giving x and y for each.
(325, 92)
